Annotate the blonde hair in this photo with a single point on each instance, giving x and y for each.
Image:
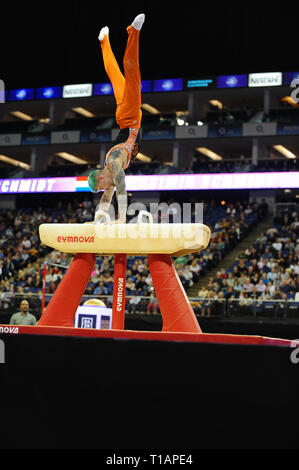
(94, 302)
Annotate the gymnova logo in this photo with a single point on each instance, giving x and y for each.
(120, 294)
(9, 329)
(62, 239)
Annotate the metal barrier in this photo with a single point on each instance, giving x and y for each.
(222, 308)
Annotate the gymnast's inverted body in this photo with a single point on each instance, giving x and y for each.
(127, 92)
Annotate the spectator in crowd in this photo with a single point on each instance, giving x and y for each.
(195, 269)
(203, 292)
(152, 306)
(134, 302)
(248, 286)
(261, 288)
(130, 286)
(101, 289)
(23, 317)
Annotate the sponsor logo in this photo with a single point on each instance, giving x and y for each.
(265, 79)
(87, 321)
(75, 91)
(9, 329)
(120, 294)
(81, 239)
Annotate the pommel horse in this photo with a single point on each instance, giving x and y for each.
(159, 242)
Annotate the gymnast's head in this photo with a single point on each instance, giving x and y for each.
(100, 180)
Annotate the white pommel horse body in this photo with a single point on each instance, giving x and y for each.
(159, 242)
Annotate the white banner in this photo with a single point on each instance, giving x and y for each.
(264, 128)
(93, 316)
(265, 79)
(65, 137)
(191, 132)
(7, 140)
(77, 91)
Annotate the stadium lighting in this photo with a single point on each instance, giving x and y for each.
(143, 158)
(180, 121)
(71, 158)
(208, 153)
(150, 109)
(21, 115)
(216, 103)
(84, 112)
(181, 118)
(13, 161)
(284, 151)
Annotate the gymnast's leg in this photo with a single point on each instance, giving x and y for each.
(111, 66)
(129, 111)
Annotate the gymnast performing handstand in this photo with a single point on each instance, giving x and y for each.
(127, 92)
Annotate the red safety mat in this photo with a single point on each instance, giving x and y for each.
(148, 335)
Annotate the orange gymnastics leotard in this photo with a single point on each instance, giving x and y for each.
(127, 91)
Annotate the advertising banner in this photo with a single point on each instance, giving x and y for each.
(259, 129)
(191, 132)
(265, 79)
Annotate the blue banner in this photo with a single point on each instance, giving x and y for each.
(201, 83)
(47, 93)
(287, 129)
(21, 94)
(43, 138)
(146, 86)
(169, 84)
(158, 134)
(102, 89)
(95, 136)
(288, 77)
(232, 81)
(225, 131)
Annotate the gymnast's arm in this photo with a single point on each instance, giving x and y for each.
(118, 173)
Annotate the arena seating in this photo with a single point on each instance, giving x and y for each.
(22, 256)
(264, 279)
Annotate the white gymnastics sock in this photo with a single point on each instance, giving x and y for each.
(138, 21)
(103, 31)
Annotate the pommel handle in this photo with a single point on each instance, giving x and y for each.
(104, 214)
(147, 214)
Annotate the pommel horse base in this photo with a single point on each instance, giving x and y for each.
(159, 242)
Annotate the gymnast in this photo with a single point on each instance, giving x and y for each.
(127, 92)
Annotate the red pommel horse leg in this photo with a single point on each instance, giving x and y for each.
(62, 308)
(119, 292)
(176, 310)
